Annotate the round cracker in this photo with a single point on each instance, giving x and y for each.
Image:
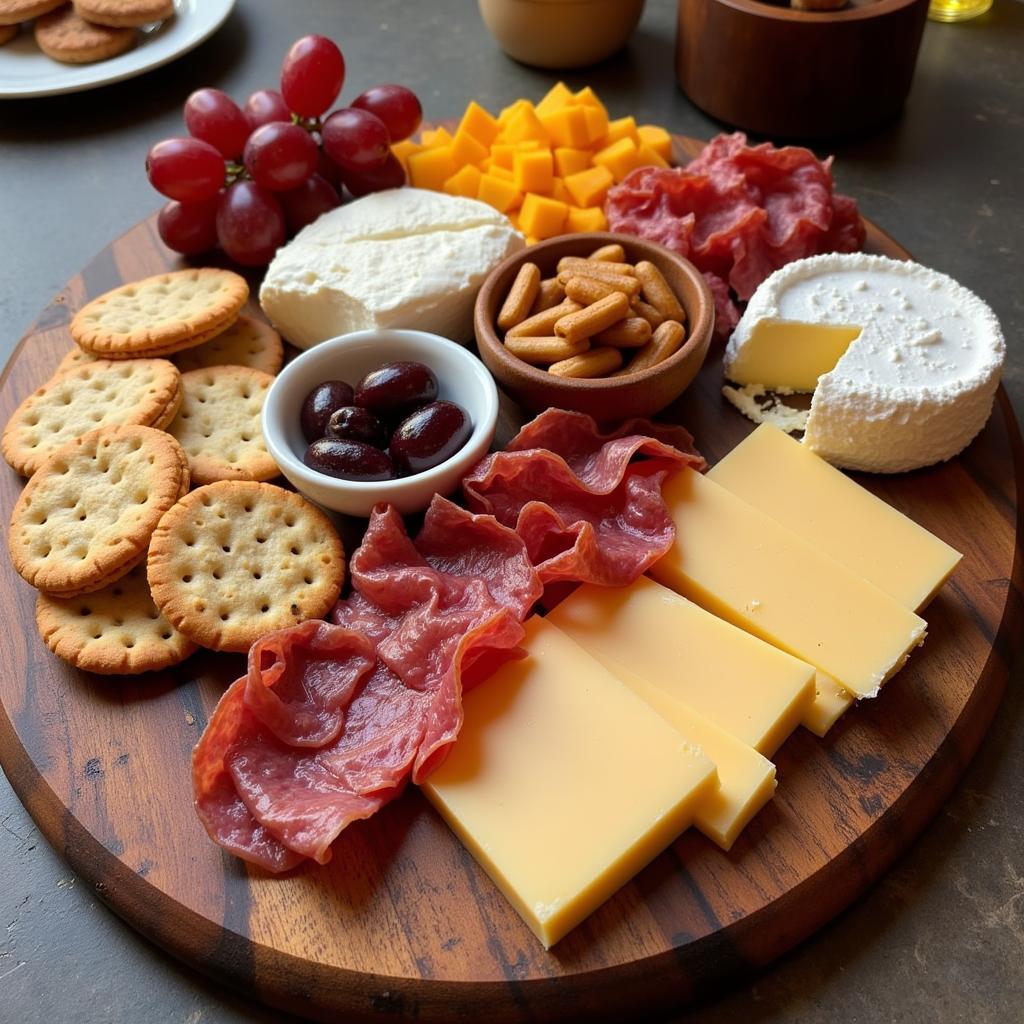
(7, 33)
(75, 357)
(235, 560)
(247, 342)
(86, 516)
(124, 13)
(14, 11)
(218, 424)
(114, 631)
(97, 394)
(69, 38)
(161, 314)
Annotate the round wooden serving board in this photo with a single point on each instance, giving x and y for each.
(403, 924)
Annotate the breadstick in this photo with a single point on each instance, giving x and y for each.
(550, 293)
(541, 351)
(519, 300)
(665, 340)
(542, 324)
(594, 318)
(658, 293)
(586, 290)
(633, 332)
(598, 362)
(622, 282)
(648, 312)
(613, 253)
(583, 266)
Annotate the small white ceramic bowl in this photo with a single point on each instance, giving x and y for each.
(461, 378)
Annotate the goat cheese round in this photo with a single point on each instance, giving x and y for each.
(401, 258)
(903, 361)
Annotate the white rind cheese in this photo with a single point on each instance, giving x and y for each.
(402, 258)
(916, 384)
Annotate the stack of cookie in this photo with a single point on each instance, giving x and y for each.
(134, 570)
(84, 31)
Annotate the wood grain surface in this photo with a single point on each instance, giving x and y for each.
(403, 924)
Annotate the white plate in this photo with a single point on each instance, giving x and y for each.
(26, 71)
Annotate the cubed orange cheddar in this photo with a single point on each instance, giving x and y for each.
(533, 240)
(657, 138)
(501, 172)
(532, 171)
(513, 217)
(524, 124)
(530, 145)
(597, 124)
(502, 153)
(464, 182)
(510, 110)
(566, 126)
(431, 168)
(497, 192)
(541, 217)
(466, 150)
(404, 149)
(589, 187)
(569, 161)
(620, 158)
(588, 98)
(435, 136)
(590, 219)
(559, 191)
(559, 95)
(479, 123)
(621, 128)
(648, 157)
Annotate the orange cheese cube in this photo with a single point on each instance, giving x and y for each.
(524, 124)
(479, 123)
(569, 161)
(435, 136)
(541, 217)
(533, 240)
(559, 95)
(588, 98)
(497, 192)
(647, 156)
(530, 146)
(621, 128)
(431, 168)
(501, 155)
(657, 138)
(589, 187)
(597, 123)
(467, 150)
(533, 171)
(403, 150)
(508, 112)
(501, 172)
(559, 191)
(566, 126)
(590, 219)
(620, 158)
(465, 182)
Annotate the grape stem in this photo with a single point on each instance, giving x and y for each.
(235, 172)
(311, 124)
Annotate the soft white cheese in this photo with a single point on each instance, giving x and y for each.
(912, 388)
(402, 258)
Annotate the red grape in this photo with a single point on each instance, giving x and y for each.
(189, 228)
(328, 169)
(304, 204)
(312, 75)
(250, 224)
(390, 174)
(356, 140)
(265, 106)
(214, 117)
(396, 106)
(280, 156)
(188, 170)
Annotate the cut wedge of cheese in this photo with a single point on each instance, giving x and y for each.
(903, 361)
(782, 478)
(750, 689)
(564, 783)
(744, 566)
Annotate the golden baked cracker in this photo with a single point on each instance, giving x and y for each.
(161, 314)
(75, 357)
(235, 560)
(86, 516)
(98, 394)
(247, 342)
(69, 38)
(7, 33)
(218, 424)
(124, 13)
(14, 11)
(114, 631)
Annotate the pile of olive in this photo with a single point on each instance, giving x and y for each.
(390, 425)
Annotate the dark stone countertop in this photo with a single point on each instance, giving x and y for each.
(941, 937)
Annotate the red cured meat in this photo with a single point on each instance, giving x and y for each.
(587, 504)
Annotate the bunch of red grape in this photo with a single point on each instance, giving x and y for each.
(246, 179)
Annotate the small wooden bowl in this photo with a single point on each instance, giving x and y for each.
(605, 398)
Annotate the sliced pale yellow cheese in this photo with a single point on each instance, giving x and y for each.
(790, 356)
(778, 475)
(830, 701)
(744, 566)
(750, 689)
(563, 783)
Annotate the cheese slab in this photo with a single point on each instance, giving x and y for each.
(903, 361)
(744, 566)
(563, 783)
(783, 478)
(750, 689)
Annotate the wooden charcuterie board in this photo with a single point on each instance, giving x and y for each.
(403, 924)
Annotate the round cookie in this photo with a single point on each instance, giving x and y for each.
(218, 424)
(98, 394)
(114, 631)
(14, 11)
(235, 560)
(66, 37)
(247, 342)
(86, 516)
(161, 314)
(124, 13)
